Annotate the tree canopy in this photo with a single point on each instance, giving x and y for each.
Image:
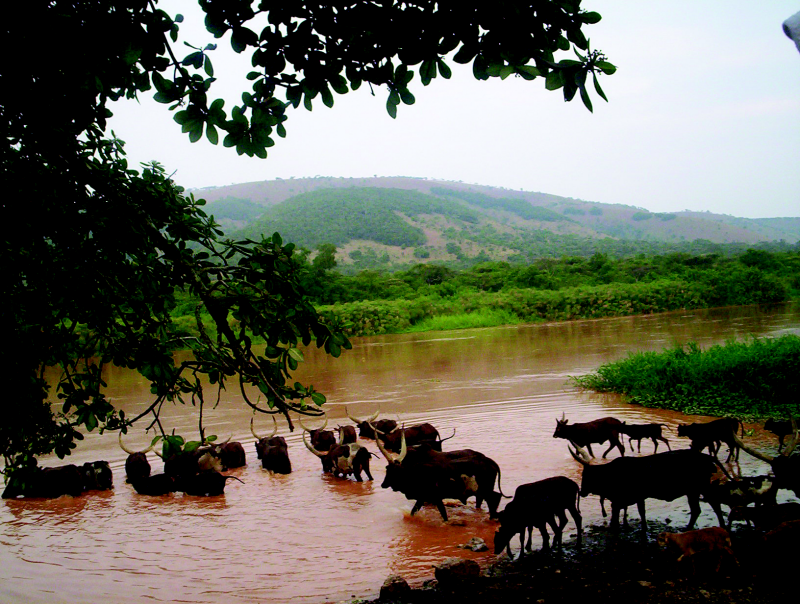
(95, 250)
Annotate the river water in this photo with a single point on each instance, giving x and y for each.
(310, 538)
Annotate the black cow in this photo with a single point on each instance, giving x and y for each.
(230, 454)
(429, 476)
(321, 439)
(537, 504)
(785, 466)
(205, 484)
(347, 435)
(767, 517)
(367, 427)
(97, 476)
(711, 434)
(779, 428)
(627, 481)
(414, 435)
(272, 451)
(136, 464)
(343, 460)
(636, 432)
(46, 482)
(189, 463)
(596, 431)
(156, 485)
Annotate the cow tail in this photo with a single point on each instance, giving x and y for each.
(499, 488)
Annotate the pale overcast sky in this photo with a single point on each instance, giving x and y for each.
(703, 114)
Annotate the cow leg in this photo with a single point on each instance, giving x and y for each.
(639, 446)
(614, 516)
(529, 545)
(589, 448)
(640, 506)
(666, 442)
(694, 510)
(545, 536)
(655, 444)
(417, 506)
(578, 519)
(562, 517)
(442, 511)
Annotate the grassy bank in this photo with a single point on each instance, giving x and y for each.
(757, 378)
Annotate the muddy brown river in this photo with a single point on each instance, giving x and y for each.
(311, 538)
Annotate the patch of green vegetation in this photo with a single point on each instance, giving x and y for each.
(751, 379)
(485, 317)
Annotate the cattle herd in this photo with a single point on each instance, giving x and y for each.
(418, 468)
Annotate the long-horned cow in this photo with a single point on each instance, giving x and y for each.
(367, 427)
(626, 481)
(586, 433)
(272, 451)
(136, 464)
(429, 476)
(343, 460)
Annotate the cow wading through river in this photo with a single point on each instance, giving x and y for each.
(425, 475)
(596, 431)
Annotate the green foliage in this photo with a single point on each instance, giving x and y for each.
(757, 378)
(639, 216)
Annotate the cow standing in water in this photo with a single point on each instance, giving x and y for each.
(597, 431)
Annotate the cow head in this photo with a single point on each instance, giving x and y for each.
(261, 441)
(560, 427)
(364, 425)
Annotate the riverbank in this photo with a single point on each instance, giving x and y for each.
(621, 568)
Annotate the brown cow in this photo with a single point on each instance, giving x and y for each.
(597, 431)
(705, 548)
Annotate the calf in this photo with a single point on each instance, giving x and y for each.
(712, 433)
(537, 504)
(704, 548)
(639, 431)
(597, 431)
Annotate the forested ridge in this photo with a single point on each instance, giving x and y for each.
(394, 223)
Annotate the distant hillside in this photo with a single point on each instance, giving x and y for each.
(386, 221)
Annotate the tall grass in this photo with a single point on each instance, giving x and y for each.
(756, 378)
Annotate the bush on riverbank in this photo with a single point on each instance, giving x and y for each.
(757, 378)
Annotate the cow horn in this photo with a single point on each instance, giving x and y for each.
(341, 435)
(371, 418)
(309, 447)
(128, 451)
(403, 447)
(751, 451)
(386, 454)
(322, 427)
(274, 431)
(579, 458)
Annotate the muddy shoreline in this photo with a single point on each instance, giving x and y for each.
(617, 568)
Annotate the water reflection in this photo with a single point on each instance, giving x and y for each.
(306, 537)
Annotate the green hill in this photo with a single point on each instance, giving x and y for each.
(391, 222)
